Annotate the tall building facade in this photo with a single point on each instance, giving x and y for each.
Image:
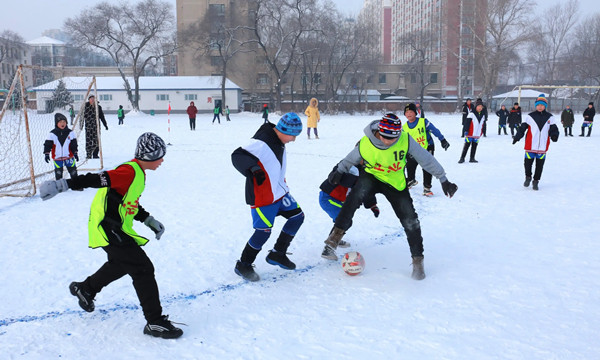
(442, 33)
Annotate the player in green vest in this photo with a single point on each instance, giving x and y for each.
(381, 157)
(420, 129)
(110, 227)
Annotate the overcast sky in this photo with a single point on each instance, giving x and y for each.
(31, 17)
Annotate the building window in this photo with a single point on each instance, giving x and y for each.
(191, 97)
(382, 79)
(413, 78)
(262, 79)
(162, 97)
(217, 9)
(78, 97)
(105, 97)
(433, 78)
(215, 61)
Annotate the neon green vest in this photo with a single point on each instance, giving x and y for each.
(418, 133)
(386, 165)
(127, 210)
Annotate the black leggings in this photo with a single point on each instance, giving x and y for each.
(367, 186)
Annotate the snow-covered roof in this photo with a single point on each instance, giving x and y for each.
(396, 98)
(355, 92)
(113, 83)
(45, 40)
(525, 93)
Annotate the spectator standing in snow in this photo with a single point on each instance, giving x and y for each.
(263, 163)
(466, 110)
(72, 114)
(92, 132)
(312, 111)
(110, 227)
(227, 112)
(265, 113)
(120, 114)
(588, 119)
(62, 144)
(538, 128)
(567, 118)
(420, 129)
(217, 113)
(192, 111)
(514, 118)
(502, 118)
(485, 117)
(383, 152)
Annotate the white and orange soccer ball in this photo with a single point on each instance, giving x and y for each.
(353, 263)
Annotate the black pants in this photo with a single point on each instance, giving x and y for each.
(129, 260)
(216, 117)
(502, 127)
(91, 142)
(569, 130)
(513, 129)
(539, 167)
(58, 172)
(192, 123)
(121, 121)
(367, 186)
(411, 169)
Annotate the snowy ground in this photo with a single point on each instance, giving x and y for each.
(511, 273)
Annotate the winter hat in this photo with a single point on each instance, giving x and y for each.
(390, 125)
(516, 103)
(591, 103)
(410, 106)
(150, 147)
(58, 117)
(541, 100)
(289, 124)
(264, 105)
(478, 102)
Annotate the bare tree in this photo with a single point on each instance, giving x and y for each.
(220, 35)
(132, 35)
(278, 27)
(586, 51)
(10, 42)
(421, 45)
(507, 24)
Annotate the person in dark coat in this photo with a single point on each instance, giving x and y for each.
(192, 111)
(265, 113)
(567, 118)
(92, 132)
(485, 116)
(466, 110)
(588, 119)
(502, 117)
(514, 118)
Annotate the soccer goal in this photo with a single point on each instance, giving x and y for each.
(26, 119)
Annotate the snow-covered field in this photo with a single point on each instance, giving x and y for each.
(511, 273)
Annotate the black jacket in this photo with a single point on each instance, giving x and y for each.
(503, 115)
(588, 114)
(514, 117)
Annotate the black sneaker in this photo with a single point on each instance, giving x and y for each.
(329, 253)
(280, 259)
(86, 299)
(162, 328)
(473, 161)
(527, 181)
(246, 271)
(343, 244)
(535, 185)
(461, 160)
(411, 183)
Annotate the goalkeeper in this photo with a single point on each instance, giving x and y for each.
(110, 227)
(62, 145)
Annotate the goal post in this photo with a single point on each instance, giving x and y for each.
(26, 119)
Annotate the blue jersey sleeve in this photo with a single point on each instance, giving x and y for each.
(432, 129)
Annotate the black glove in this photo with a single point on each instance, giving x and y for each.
(335, 177)
(449, 188)
(375, 210)
(445, 144)
(106, 127)
(47, 158)
(76, 157)
(515, 140)
(258, 174)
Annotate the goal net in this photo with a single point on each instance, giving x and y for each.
(26, 119)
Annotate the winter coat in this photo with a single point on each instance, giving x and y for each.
(61, 144)
(567, 118)
(514, 117)
(192, 111)
(540, 128)
(312, 111)
(466, 110)
(474, 126)
(266, 152)
(588, 114)
(503, 116)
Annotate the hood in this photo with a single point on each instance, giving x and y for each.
(370, 131)
(315, 101)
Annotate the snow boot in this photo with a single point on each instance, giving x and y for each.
(535, 185)
(418, 272)
(246, 271)
(332, 242)
(589, 131)
(464, 153)
(86, 298)
(473, 150)
(162, 328)
(582, 131)
(278, 256)
(427, 192)
(527, 181)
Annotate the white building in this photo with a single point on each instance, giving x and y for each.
(156, 93)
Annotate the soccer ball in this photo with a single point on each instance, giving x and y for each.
(353, 263)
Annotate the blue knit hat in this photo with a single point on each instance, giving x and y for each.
(290, 124)
(541, 100)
